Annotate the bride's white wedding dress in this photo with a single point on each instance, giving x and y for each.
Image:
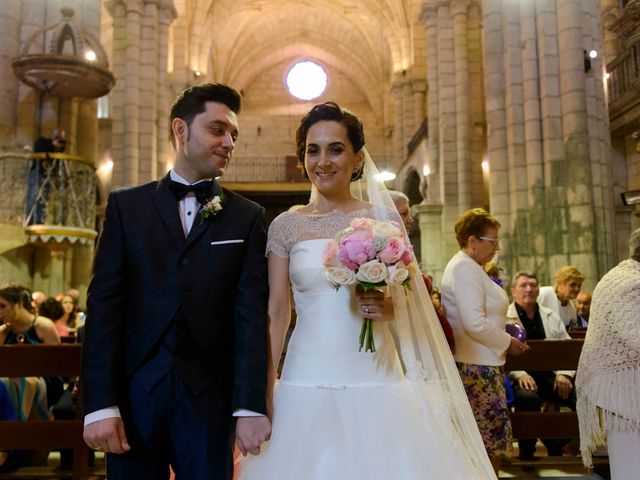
(340, 413)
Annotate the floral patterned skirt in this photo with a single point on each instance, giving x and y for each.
(485, 388)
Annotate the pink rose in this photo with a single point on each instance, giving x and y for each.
(407, 256)
(393, 251)
(356, 249)
(362, 224)
(330, 255)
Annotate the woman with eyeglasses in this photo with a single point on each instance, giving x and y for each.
(477, 310)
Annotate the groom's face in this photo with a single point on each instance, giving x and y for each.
(205, 146)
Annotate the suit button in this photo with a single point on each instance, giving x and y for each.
(185, 262)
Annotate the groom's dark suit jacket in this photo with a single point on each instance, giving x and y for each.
(147, 275)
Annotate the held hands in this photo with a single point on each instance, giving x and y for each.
(373, 304)
(251, 432)
(516, 347)
(563, 385)
(107, 435)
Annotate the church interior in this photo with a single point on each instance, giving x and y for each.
(527, 108)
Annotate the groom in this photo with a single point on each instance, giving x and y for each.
(175, 344)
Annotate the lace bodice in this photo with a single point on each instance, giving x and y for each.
(290, 228)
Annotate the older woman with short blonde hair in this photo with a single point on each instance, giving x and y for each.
(567, 283)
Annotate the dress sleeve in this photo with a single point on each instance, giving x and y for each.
(279, 237)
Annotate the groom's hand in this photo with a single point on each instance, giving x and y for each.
(107, 435)
(251, 432)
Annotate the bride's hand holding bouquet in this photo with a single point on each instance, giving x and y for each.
(371, 254)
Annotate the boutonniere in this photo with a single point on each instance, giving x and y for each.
(211, 207)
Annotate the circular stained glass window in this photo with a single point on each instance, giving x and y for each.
(306, 80)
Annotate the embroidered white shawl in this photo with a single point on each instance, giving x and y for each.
(608, 378)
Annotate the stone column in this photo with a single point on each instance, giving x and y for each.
(434, 258)
(419, 91)
(581, 246)
(552, 146)
(48, 275)
(148, 166)
(408, 117)
(429, 17)
(10, 16)
(87, 110)
(459, 12)
(132, 93)
(28, 101)
(610, 14)
(478, 144)
(532, 137)
(398, 129)
(494, 86)
(447, 126)
(118, 13)
(165, 16)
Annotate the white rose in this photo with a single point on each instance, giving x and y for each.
(340, 276)
(374, 271)
(397, 274)
(387, 229)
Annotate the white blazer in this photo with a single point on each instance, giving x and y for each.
(477, 311)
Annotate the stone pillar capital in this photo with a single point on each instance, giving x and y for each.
(397, 87)
(428, 11)
(168, 12)
(129, 5)
(459, 7)
(419, 85)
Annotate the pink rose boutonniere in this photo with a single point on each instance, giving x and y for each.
(211, 207)
(372, 254)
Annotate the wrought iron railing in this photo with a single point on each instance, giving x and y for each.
(52, 189)
(624, 72)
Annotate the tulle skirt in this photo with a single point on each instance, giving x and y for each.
(372, 432)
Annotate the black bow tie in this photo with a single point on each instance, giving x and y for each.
(201, 189)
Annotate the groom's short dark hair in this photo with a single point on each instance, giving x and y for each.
(192, 101)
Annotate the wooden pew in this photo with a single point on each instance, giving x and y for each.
(43, 361)
(547, 355)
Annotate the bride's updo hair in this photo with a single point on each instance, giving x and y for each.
(330, 111)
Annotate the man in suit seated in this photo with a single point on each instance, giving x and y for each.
(583, 307)
(531, 388)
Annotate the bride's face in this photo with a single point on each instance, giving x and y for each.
(329, 157)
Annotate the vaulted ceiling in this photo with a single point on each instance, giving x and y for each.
(234, 41)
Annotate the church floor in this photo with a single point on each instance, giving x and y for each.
(568, 472)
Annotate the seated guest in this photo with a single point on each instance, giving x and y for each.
(31, 396)
(20, 324)
(567, 284)
(401, 202)
(52, 309)
(79, 314)
(37, 298)
(6, 413)
(70, 316)
(583, 308)
(530, 388)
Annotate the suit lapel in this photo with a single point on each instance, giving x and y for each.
(168, 208)
(199, 225)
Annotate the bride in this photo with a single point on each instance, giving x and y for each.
(400, 412)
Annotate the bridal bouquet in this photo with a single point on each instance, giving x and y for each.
(372, 254)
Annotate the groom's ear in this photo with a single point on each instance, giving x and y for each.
(180, 130)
